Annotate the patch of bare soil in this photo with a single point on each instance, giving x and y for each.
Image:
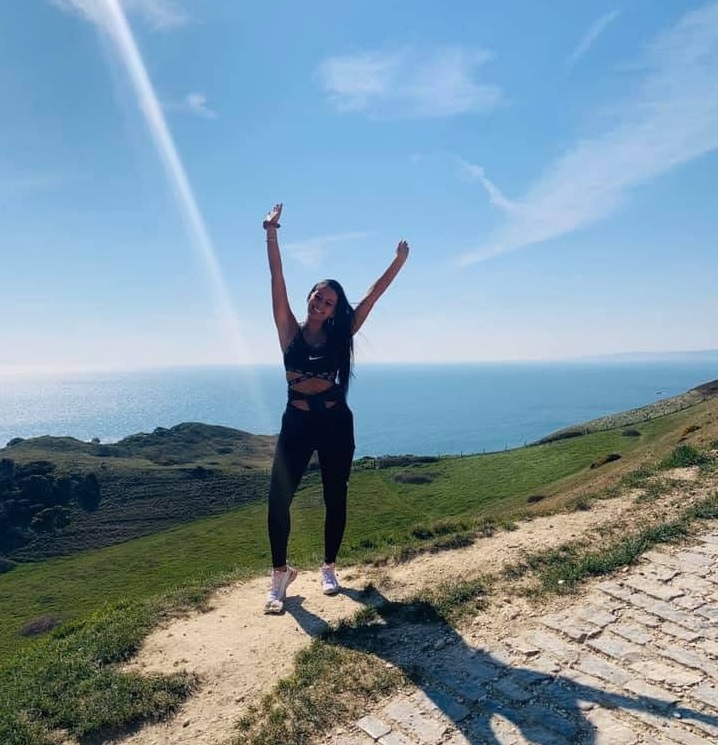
(238, 653)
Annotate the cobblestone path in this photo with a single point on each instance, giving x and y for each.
(635, 660)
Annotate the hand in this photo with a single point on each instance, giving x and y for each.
(402, 250)
(272, 218)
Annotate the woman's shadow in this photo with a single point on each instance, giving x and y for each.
(471, 687)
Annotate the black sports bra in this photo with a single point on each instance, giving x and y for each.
(309, 362)
(312, 363)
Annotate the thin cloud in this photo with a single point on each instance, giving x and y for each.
(408, 83)
(589, 38)
(496, 197)
(159, 14)
(671, 119)
(193, 103)
(310, 252)
(197, 104)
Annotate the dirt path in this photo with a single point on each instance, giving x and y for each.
(238, 653)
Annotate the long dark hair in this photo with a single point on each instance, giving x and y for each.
(339, 331)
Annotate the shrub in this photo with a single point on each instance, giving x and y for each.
(40, 625)
(62, 489)
(566, 434)
(390, 461)
(682, 456)
(87, 493)
(439, 528)
(637, 479)
(631, 433)
(414, 477)
(7, 468)
(582, 503)
(689, 429)
(451, 542)
(104, 451)
(37, 489)
(485, 527)
(164, 460)
(605, 459)
(535, 498)
(199, 472)
(50, 519)
(34, 468)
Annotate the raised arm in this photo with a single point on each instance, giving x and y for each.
(284, 319)
(380, 286)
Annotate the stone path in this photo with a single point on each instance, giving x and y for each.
(634, 661)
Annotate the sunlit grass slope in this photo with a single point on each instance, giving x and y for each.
(387, 515)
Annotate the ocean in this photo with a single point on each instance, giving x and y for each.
(434, 409)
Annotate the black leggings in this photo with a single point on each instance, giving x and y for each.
(329, 431)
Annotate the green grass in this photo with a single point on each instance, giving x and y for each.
(563, 568)
(386, 519)
(70, 680)
(113, 593)
(684, 456)
(332, 682)
(73, 587)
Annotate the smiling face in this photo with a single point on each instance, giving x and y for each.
(322, 303)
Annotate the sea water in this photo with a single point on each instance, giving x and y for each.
(421, 409)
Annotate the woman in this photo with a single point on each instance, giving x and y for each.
(317, 359)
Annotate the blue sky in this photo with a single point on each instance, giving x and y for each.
(552, 164)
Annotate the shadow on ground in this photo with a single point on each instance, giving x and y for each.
(480, 695)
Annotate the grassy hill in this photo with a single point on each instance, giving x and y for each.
(393, 511)
(144, 483)
(66, 622)
(642, 414)
(149, 482)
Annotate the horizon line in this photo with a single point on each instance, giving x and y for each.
(42, 371)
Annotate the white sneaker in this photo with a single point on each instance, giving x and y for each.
(330, 583)
(278, 590)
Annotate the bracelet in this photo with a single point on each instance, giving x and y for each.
(266, 224)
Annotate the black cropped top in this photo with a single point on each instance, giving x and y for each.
(310, 363)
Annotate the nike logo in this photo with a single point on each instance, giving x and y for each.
(312, 359)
